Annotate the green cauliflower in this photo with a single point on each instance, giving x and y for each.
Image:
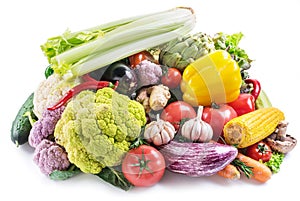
(97, 128)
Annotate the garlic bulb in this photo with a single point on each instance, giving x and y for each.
(159, 132)
(196, 129)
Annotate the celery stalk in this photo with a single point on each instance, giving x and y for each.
(127, 39)
(93, 62)
(59, 44)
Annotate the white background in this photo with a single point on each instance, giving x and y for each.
(271, 30)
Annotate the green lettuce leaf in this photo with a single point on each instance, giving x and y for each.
(275, 162)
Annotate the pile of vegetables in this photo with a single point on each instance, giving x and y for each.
(126, 105)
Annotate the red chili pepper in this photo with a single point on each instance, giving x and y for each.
(89, 83)
(256, 87)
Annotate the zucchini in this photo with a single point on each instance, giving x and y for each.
(22, 124)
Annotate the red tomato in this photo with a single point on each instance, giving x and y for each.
(245, 103)
(259, 151)
(172, 78)
(217, 116)
(143, 166)
(176, 111)
(137, 58)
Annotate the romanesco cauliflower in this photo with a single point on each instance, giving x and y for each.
(97, 129)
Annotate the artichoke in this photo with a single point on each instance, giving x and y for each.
(182, 51)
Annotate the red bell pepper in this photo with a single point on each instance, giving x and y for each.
(245, 103)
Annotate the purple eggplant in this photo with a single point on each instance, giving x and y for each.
(121, 72)
(197, 159)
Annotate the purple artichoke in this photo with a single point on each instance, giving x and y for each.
(44, 126)
(49, 156)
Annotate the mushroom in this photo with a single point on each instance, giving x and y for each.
(280, 141)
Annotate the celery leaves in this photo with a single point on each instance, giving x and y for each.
(58, 44)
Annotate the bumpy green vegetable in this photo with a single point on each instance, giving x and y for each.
(97, 129)
(21, 126)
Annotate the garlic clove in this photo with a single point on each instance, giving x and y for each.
(157, 140)
(196, 130)
(186, 129)
(209, 133)
(170, 129)
(165, 137)
(150, 131)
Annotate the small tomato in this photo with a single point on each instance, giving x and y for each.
(143, 166)
(171, 78)
(259, 151)
(138, 57)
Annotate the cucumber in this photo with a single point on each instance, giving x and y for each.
(21, 126)
(262, 100)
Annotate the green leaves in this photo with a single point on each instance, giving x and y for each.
(115, 178)
(110, 175)
(230, 43)
(65, 174)
(56, 45)
(275, 162)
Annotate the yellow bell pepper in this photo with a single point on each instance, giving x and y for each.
(214, 77)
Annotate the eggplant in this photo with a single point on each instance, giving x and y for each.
(115, 71)
(197, 159)
(121, 72)
(128, 83)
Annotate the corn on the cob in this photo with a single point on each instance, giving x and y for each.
(252, 127)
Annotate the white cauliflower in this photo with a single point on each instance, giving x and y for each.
(50, 91)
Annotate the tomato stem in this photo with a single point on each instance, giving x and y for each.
(262, 148)
(215, 105)
(143, 164)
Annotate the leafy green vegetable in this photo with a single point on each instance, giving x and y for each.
(75, 54)
(58, 44)
(65, 174)
(275, 162)
(115, 177)
(230, 43)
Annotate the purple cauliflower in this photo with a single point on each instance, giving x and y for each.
(50, 156)
(44, 126)
(148, 73)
